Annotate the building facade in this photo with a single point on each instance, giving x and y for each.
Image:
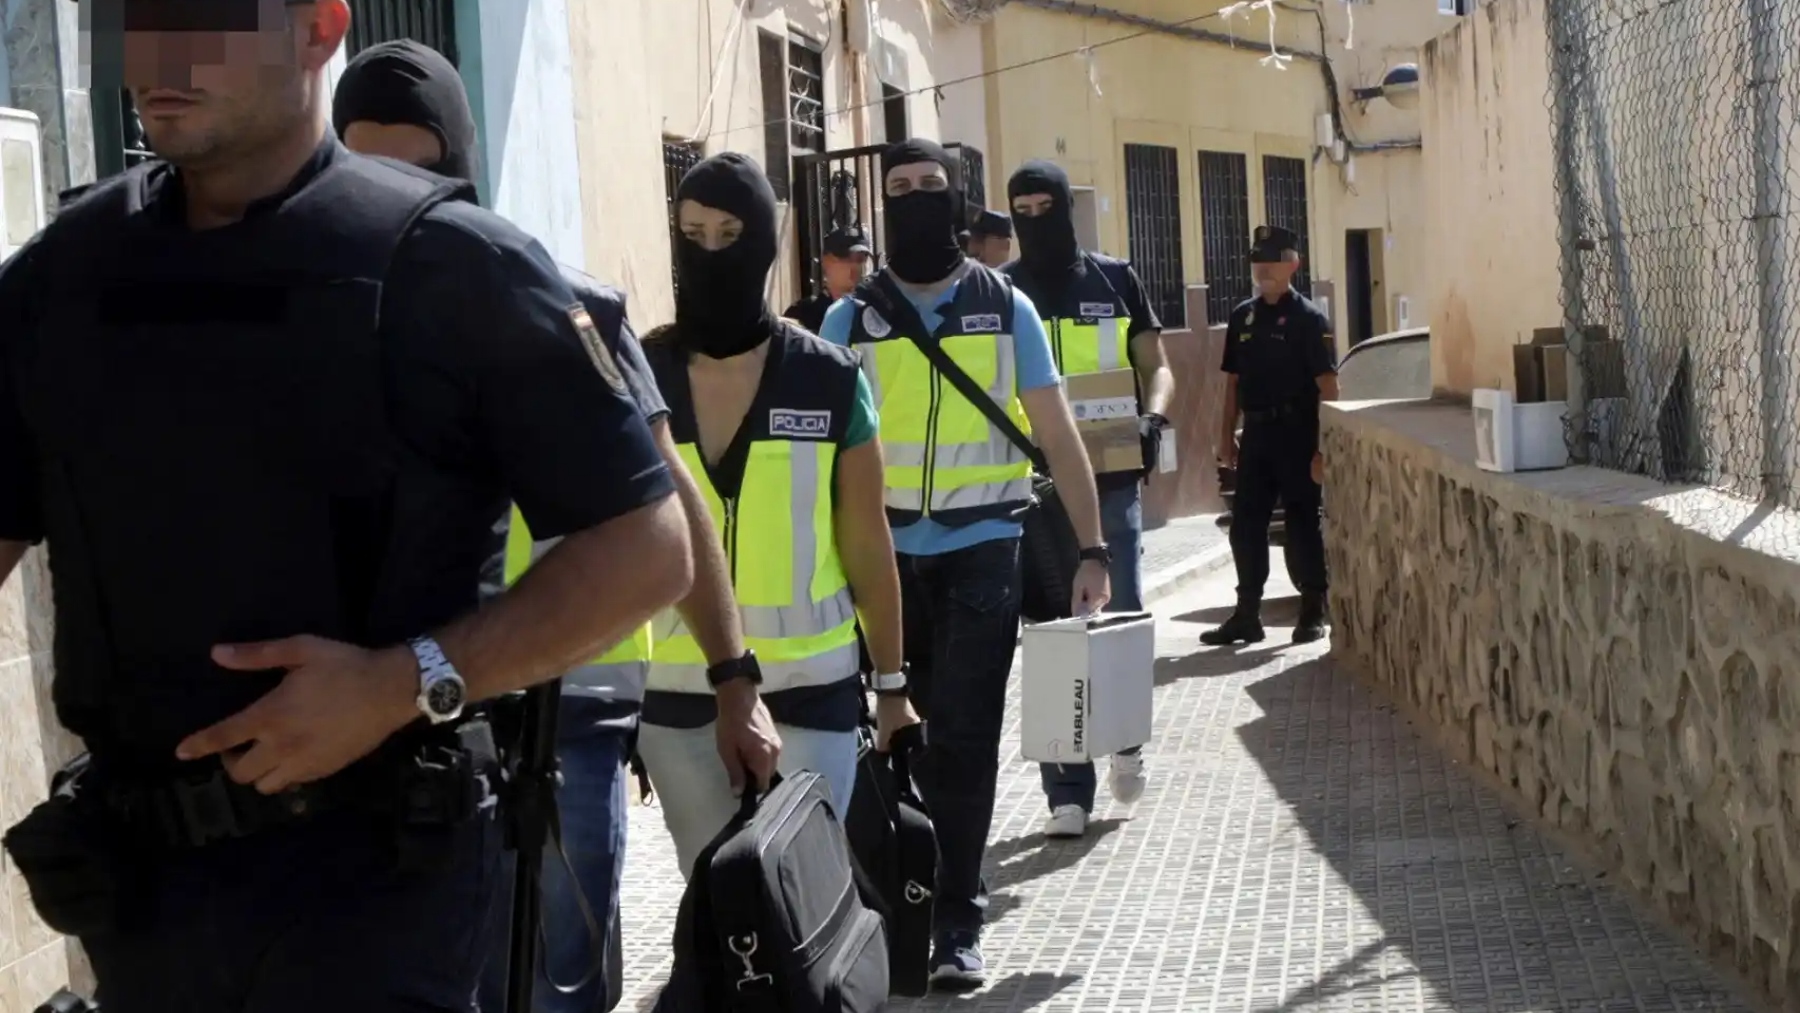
(1188, 124)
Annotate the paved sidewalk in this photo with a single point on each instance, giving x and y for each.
(1300, 848)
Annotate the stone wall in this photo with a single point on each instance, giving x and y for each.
(1624, 654)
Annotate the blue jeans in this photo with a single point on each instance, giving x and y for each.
(594, 817)
(1122, 524)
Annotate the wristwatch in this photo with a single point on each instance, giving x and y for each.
(1101, 554)
(1153, 422)
(745, 667)
(891, 684)
(442, 691)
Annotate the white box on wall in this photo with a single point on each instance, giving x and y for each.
(21, 179)
(1087, 686)
(1510, 436)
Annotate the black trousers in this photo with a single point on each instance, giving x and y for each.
(962, 628)
(1275, 462)
(308, 919)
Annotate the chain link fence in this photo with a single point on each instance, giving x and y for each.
(1678, 157)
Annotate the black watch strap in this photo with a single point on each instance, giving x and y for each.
(1101, 554)
(745, 667)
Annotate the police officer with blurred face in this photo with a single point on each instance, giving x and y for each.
(323, 380)
(1280, 362)
(843, 264)
(991, 239)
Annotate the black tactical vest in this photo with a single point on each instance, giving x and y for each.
(983, 292)
(214, 452)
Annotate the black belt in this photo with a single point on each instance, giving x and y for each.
(420, 781)
(1284, 412)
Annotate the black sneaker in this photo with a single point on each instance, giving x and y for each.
(1312, 623)
(1244, 627)
(956, 962)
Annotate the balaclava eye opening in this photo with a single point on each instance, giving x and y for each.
(720, 309)
(408, 83)
(922, 225)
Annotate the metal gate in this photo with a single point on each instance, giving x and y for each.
(432, 22)
(837, 189)
(1224, 231)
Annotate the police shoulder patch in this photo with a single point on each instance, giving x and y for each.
(874, 323)
(596, 347)
(800, 424)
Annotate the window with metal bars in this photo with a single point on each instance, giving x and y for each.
(974, 174)
(1284, 206)
(771, 59)
(893, 113)
(678, 157)
(432, 22)
(1153, 227)
(806, 94)
(1224, 231)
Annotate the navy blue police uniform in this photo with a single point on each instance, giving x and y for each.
(309, 421)
(845, 242)
(1277, 351)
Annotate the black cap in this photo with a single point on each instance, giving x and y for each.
(847, 242)
(1269, 242)
(992, 223)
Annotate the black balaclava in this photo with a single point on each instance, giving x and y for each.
(1047, 244)
(922, 225)
(719, 308)
(408, 83)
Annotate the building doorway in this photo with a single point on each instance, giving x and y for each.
(1361, 289)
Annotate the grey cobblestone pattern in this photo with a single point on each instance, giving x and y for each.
(1180, 542)
(1299, 848)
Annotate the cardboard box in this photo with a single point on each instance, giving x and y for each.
(1086, 686)
(1105, 409)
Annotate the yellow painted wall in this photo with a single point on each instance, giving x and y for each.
(1490, 194)
(645, 69)
(1190, 95)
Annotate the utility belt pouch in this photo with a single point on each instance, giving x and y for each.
(82, 878)
(442, 786)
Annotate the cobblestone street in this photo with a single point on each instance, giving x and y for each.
(1299, 848)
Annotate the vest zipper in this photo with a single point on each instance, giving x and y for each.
(931, 442)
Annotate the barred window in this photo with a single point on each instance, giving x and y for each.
(1153, 219)
(432, 22)
(771, 56)
(1284, 200)
(1225, 231)
(678, 157)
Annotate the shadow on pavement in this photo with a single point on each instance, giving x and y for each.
(1486, 913)
(1017, 991)
(1282, 610)
(1212, 662)
(1019, 860)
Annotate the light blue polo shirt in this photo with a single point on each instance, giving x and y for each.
(1035, 369)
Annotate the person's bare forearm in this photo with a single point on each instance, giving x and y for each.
(710, 608)
(10, 554)
(866, 549)
(1228, 423)
(1154, 376)
(1328, 386)
(577, 601)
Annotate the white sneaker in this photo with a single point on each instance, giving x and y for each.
(1066, 821)
(1127, 777)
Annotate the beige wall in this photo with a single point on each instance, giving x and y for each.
(34, 961)
(1192, 95)
(1490, 193)
(676, 55)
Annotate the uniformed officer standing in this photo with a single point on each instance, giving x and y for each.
(1280, 362)
(843, 263)
(991, 239)
(1099, 319)
(265, 402)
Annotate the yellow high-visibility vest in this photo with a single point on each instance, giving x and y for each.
(619, 674)
(944, 459)
(793, 597)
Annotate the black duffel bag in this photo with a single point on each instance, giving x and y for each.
(778, 917)
(892, 837)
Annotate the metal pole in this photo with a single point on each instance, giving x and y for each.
(533, 806)
(1564, 112)
(1770, 133)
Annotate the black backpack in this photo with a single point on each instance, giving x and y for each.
(777, 917)
(893, 839)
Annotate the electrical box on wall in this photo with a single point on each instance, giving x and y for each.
(21, 179)
(859, 25)
(1324, 131)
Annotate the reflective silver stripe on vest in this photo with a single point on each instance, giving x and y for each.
(998, 450)
(1107, 332)
(970, 496)
(819, 670)
(617, 681)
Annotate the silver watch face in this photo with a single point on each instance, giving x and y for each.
(444, 697)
